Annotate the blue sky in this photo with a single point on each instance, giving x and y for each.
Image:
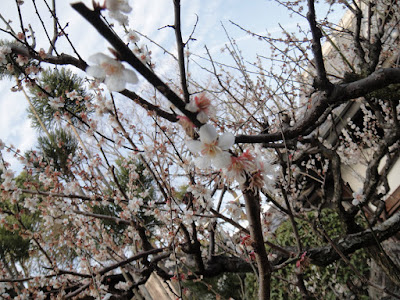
(147, 17)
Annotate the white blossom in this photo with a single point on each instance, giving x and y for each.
(8, 183)
(31, 203)
(135, 204)
(113, 72)
(358, 197)
(200, 105)
(40, 296)
(22, 60)
(235, 210)
(132, 37)
(4, 50)
(117, 9)
(239, 166)
(143, 54)
(212, 147)
(107, 296)
(56, 103)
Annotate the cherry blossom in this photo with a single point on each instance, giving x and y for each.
(132, 37)
(112, 71)
(8, 183)
(135, 204)
(358, 197)
(117, 8)
(200, 105)
(4, 50)
(236, 169)
(56, 103)
(143, 54)
(212, 147)
(235, 210)
(22, 60)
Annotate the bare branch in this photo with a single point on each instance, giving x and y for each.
(181, 47)
(321, 82)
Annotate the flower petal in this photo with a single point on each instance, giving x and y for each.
(226, 141)
(202, 117)
(96, 72)
(194, 146)
(191, 107)
(241, 178)
(202, 162)
(99, 58)
(130, 76)
(125, 7)
(221, 160)
(115, 83)
(208, 134)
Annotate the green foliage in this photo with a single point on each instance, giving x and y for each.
(13, 246)
(55, 83)
(58, 149)
(325, 282)
(141, 186)
(226, 285)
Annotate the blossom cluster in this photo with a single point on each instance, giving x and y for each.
(112, 71)
(8, 177)
(202, 106)
(140, 51)
(56, 102)
(213, 150)
(358, 197)
(4, 51)
(117, 10)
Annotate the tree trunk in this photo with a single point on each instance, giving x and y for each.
(252, 201)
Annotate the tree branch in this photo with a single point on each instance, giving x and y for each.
(181, 47)
(321, 82)
(93, 17)
(340, 93)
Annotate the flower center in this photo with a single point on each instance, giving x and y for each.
(202, 103)
(111, 69)
(211, 149)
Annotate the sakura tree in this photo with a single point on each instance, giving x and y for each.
(193, 177)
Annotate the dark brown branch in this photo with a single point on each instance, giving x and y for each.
(321, 82)
(181, 47)
(77, 291)
(372, 175)
(62, 59)
(65, 59)
(354, 269)
(116, 220)
(340, 93)
(93, 17)
(129, 260)
(293, 222)
(252, 201)
(55, 27)
(149, 107)
(358, 47)
(323, 256)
